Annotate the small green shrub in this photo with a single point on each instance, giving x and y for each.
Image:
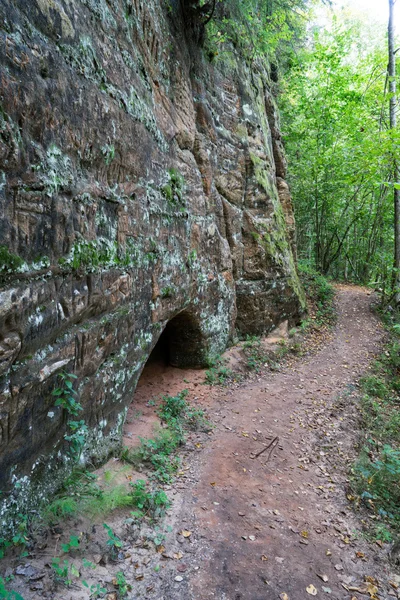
(379, 478)
(62, 572)
(218, 375)
(123, 586)
(173, 190)
(8, 594)
(159, 453)
(375, 386)
(255, 354)
(150, 502)
(320, 293)
(73, 544)
(96, 590)
(114, 543)
(377, 470)
(65, 394)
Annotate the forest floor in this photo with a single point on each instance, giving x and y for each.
(242, 527)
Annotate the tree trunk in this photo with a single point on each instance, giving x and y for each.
(396, 170)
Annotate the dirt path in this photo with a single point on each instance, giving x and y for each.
(265, 528)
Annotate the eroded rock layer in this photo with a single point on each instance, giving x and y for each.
(140, 186)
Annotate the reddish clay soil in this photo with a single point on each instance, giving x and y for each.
(270, 527)
(276, 526)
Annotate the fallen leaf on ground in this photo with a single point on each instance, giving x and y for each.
(311, 590)
(186, 533)
(178, 555)
(304, 534)
(284, 596)
(263, 557)
(372, 589)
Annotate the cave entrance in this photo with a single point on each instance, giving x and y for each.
(181, 344)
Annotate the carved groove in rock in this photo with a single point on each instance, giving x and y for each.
(141, 190)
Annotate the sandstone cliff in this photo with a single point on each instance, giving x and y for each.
(140, 188)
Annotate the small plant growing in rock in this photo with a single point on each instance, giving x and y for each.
(65, 394)
(76, 438)
(173, 190)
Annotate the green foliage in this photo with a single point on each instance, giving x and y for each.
(8, 594)
(20, 537)
(173, 191)
(66, 398)
(4, 544)
(114, 543)
(340, 151)
(65, 394)
(108, 152)
(218, 374)
(76, 438)
(96, 590)
(259, 30)
(73, 544)
(159, 453)
(9, 262)
(377, 470)
(62, 572)
(320, 293)
(255, 353)
(179, 415)
(122, 585)
(150, 502)
(167, 291)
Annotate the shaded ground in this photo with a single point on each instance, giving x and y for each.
(267, 527)
(273, 527)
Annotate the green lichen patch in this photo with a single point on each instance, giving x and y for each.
(173, 190)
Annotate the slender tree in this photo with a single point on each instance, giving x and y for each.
(396, 168)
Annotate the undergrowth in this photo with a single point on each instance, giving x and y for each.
(218, 373)
(376, 473)
(320, 295)
(159, 454)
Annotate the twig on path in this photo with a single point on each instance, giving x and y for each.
(271, 446)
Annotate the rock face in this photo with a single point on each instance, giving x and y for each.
(141, 189)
